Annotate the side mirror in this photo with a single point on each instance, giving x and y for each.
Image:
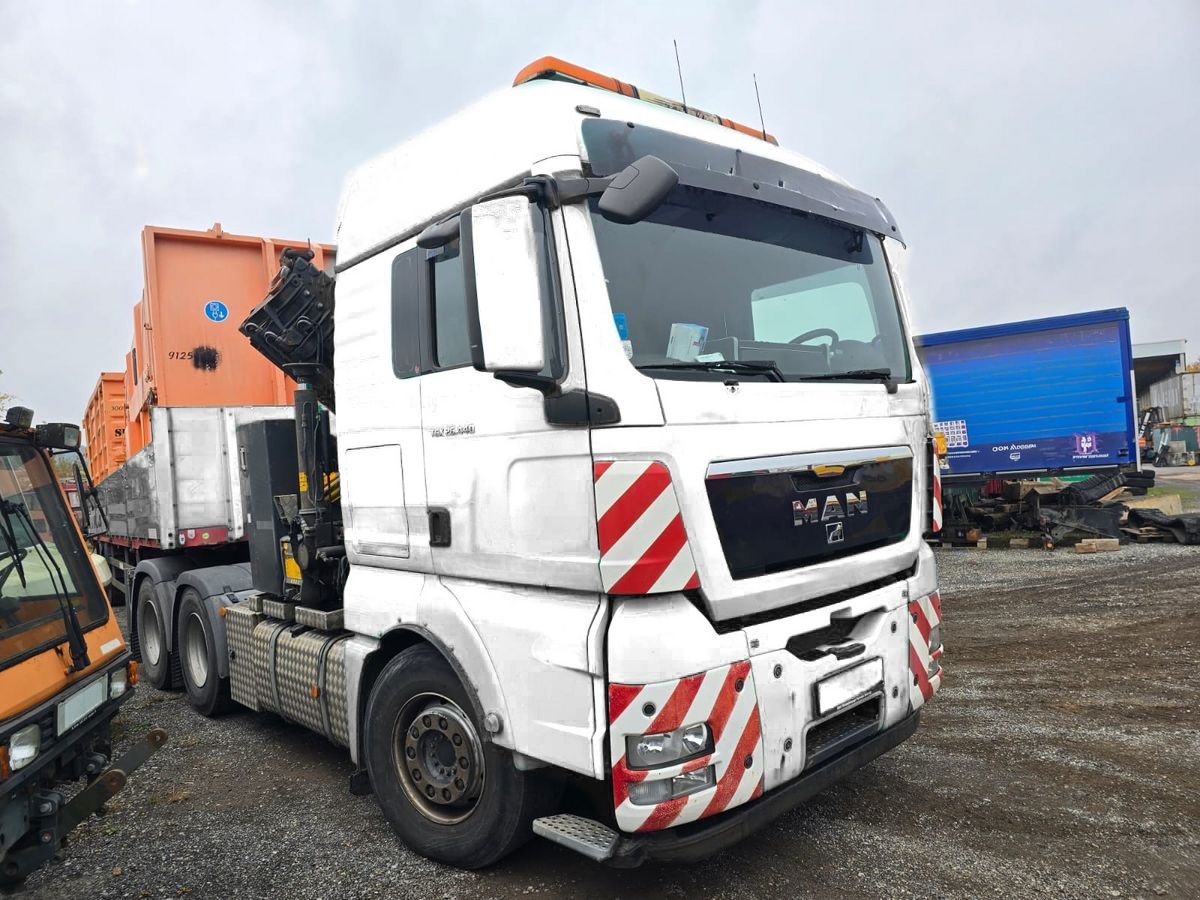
(103, 571)
(637, 190)
(501, 248)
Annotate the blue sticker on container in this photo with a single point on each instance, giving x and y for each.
(622, 325)
(216, 311)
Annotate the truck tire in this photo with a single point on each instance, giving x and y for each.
(207, 691)
(152, 639)
(420, 729)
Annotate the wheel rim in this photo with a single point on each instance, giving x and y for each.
(195, 651)
(150, 634)
(439, 758)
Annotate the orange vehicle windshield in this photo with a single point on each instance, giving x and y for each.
(41, 559)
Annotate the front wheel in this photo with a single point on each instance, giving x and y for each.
(207, 691)
(448, 794)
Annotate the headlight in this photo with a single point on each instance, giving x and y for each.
(935, 638)
(118, 681)
(644, 793)
(23, 746)
(652, 751)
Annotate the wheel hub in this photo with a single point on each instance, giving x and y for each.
(196, 652)
(149, 635)
(440, 758)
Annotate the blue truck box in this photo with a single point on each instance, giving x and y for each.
(1035, 397)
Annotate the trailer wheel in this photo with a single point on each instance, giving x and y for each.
(448, 794)
(152, 639)
(207, 691)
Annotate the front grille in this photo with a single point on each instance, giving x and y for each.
(843, 730)
(46, 724)
(771, 519)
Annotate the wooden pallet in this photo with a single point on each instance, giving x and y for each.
(1147, 534)
(1098, 545)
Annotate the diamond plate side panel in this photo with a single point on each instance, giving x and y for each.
(279, 609)
(323, 620)
(334, 692)
(264, 681)
(297, 659)
(240, 621)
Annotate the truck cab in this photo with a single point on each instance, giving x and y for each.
(64, 667)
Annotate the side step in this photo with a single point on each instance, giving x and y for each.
(586, 836)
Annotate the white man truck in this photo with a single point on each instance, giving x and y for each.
(600, 513)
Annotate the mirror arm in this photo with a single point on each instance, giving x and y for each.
(564, 189)
(542, 383)
(90, 493)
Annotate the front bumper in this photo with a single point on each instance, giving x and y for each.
(699, 840)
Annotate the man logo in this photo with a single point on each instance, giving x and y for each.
(810, 512)
(834, 533)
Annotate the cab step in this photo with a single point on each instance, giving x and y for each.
(587, 836)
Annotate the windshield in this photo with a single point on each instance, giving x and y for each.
(31, 616)
(712, 278)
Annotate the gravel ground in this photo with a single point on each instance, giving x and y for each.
(1060, 759)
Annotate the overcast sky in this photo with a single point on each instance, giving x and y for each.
(1041, 157)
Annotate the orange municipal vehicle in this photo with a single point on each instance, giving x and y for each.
(64, 666)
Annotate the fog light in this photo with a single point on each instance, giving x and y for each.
(646, 793)
(649, 751)
(23, 746)
(117, 683)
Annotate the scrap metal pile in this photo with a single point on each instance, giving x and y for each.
(1104, 506)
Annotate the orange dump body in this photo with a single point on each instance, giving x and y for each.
(187, 350)
(104, 424)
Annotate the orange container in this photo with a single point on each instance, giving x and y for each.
(104, 423)
(186, 349)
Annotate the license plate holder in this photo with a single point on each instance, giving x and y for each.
(843, 688)
(81, 704)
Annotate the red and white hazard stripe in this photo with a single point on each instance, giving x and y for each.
(643, 544)
(723, 697)
(936, 505)
(924, 660)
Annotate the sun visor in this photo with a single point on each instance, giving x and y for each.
(610, 146)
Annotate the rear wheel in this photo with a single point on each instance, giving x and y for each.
(207, 691)
(152, 639)
(448, 794)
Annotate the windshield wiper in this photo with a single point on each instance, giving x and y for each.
(744, 366)
(79, 652)
(14, 550)
(884, 375)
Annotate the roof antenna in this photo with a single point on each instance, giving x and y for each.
(758, 97)
(679, 69)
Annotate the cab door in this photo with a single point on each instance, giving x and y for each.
(509, 492)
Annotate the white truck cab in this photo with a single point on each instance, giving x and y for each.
(677, 469)
(632, 475)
